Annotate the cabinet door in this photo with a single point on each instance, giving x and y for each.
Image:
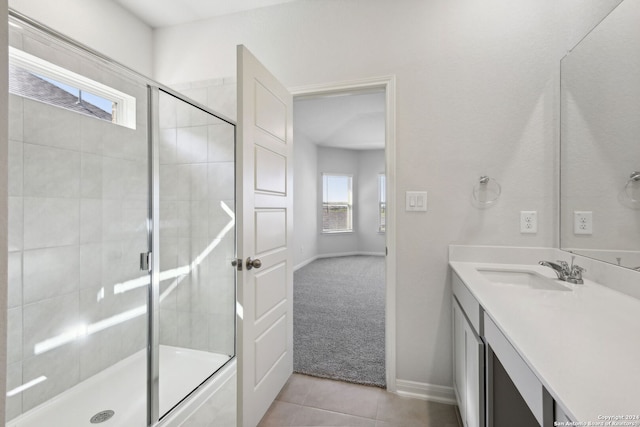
(459, 358)
(474, 402)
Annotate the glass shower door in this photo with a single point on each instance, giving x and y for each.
(196, 172)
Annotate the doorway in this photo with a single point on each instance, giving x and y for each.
(345, 224)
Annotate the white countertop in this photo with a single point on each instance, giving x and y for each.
(583, 345)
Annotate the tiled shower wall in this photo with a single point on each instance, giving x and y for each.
(77, 222)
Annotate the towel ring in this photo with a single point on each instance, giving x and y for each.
(487, 191)
(633, 178)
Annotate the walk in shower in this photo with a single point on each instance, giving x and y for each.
(121, 229)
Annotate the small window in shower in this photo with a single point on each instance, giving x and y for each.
(35, 78)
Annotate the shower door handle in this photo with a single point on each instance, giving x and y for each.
(253, 263)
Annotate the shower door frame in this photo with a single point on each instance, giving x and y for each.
(153, 342)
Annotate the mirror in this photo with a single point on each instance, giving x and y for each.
(600, 141)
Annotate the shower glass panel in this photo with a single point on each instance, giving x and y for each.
(78, 220)
(197, 243)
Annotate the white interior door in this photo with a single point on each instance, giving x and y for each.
(265, 215)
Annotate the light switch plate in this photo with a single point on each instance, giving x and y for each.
(582, 222)
(416, 201)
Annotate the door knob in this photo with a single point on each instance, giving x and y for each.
(253, 263)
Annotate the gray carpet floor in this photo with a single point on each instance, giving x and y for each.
(339, 319)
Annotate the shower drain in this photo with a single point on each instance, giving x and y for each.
(102, 416)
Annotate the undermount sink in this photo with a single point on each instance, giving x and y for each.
(523, 278)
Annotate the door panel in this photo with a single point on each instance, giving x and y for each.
(270, 289)
(271, 171)
(271, 112)
(265, 295)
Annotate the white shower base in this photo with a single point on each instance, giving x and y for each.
(122, 389)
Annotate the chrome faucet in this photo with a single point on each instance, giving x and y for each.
(571, 274)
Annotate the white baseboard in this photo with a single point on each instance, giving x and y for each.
(334, 255)
(303, 263)
(356, 253)
(424, 391)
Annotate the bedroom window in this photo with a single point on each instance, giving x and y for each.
(37, 79)
(337, 208)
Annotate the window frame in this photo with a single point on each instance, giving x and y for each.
(125, 105)
(349, 205)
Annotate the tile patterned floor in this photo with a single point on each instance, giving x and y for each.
(309, 401)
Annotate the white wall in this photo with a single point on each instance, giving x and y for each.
(477, 93)
(102, 25)
(305, 199)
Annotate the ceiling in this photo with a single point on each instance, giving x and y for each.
(349, 120)
(345, 120)
(165, 13)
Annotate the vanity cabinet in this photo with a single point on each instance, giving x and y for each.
(493, 385)
(468, 371)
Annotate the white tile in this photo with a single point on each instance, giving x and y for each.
(168, 219)
(134, 219)
(93, 134)
(112, 220)
(92, 354)
(15, 168)
(168, 182)
(222, 332)
(14, 335)
(53, 53)
(16, 118)
(184, 219)
(90, 265)
(168, 253)
(167, 111)
(51, 172)
(183, 183)
(60, 366)
(199, 218)
(221, 178)
(91, 176)
(16, 224)
(167, 146)
(113, 177)
(199, 183)
(50, 272)
(47, 319)
(90, 220)
(14, 379)
(221, 143)
(222, 99)
(61, 227)
(193, 330)
(135, 183)
(168, 327)
(191, 143)
(111, 263)
(51, 126)
(15, 279)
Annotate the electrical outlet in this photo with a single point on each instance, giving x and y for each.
(582, 222)
(528, 222)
